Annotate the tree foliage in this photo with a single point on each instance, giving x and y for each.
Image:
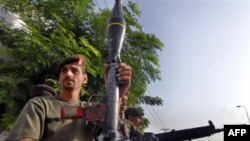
(149, 100)
(57, 28)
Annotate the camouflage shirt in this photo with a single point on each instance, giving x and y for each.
(128, 130)
(41, 120)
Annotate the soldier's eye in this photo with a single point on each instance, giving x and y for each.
(63, 70)
(75, 71)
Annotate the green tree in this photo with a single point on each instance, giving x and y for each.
(57, 28)
(149, 100)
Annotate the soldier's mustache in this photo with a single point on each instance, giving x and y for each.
(68, 79)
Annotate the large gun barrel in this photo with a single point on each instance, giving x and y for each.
(116, 31)
(188, 134)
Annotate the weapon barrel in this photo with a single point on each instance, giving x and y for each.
(188, 134)
(112, 109)
(116, 30)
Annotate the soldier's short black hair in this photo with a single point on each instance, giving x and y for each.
(133, 111)
(75, 59)
(42, 90)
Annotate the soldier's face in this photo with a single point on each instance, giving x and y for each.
(137, 120)
(72, 77)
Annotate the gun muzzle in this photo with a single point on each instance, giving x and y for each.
(116, 31)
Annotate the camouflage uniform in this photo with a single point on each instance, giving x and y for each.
(41, 120)
(128, 130)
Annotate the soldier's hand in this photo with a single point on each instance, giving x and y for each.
(124, 73)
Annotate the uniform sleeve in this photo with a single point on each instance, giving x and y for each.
(128, 130)
(30, 122)
(134, 131)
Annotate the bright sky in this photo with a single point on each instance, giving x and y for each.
(205, 65)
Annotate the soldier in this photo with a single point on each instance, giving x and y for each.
(42, 90)
(127, 128)
(135, 115)
(45, 118)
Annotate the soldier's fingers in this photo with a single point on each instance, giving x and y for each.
(124, 74)
(125, 78)
(123, 67)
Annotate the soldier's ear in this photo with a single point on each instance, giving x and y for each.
(85, 79)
